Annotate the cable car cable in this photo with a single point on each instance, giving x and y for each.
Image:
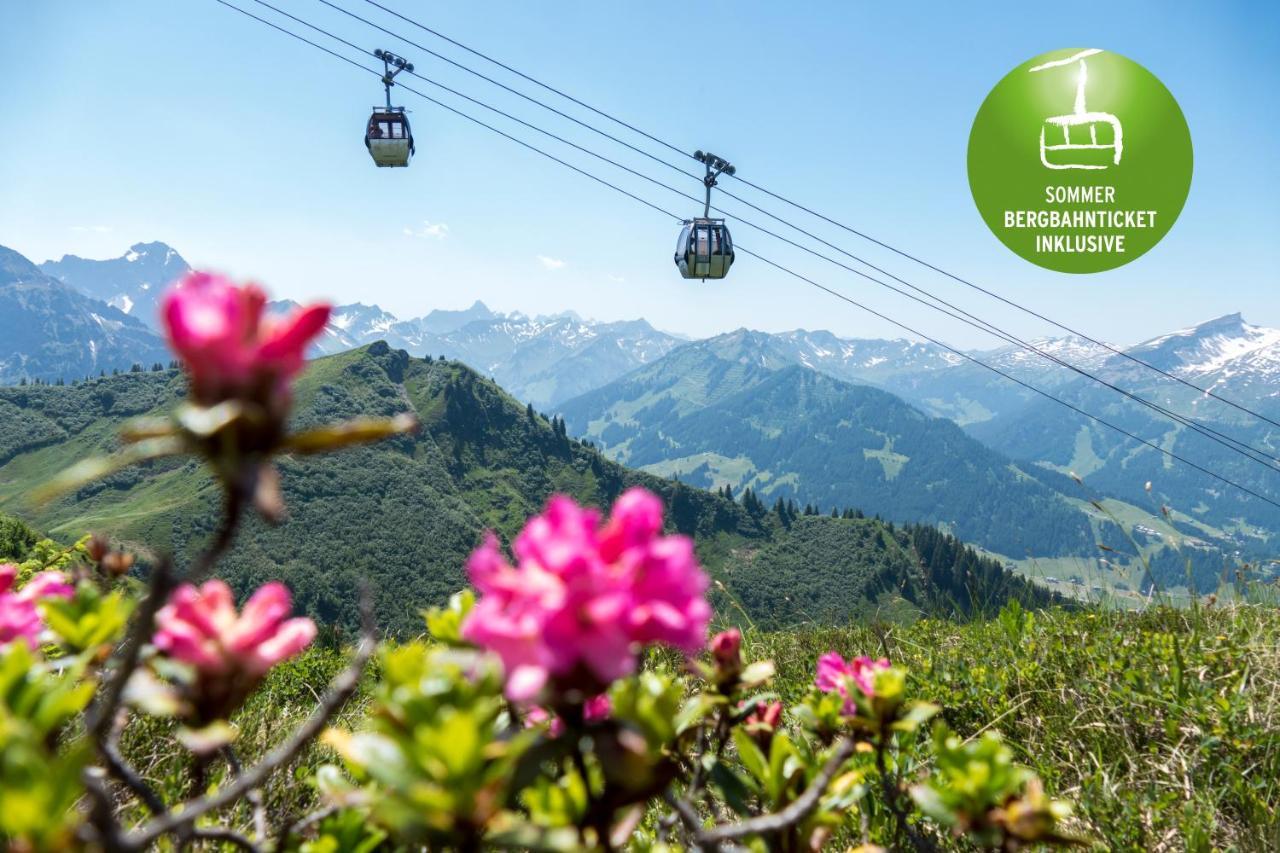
(1208, 432)
(1186, 420)
(778, 266)
(1013, 304)
(532, 80)
(497, 83)
(1010, 377)
(902, 253)
(453, 110)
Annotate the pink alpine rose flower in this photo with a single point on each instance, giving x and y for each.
(19, 617)
(230, 651)
(726, 648)
(582, 599)
(835, 674)
(762, 722)
(229, 347)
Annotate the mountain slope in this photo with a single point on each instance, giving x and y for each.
(719, 412)
(49, 331)
(132, 282)
(404, 514)
(1237, 361)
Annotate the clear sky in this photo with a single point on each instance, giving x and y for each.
(180, 120)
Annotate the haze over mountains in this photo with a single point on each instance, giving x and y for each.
(798, 414)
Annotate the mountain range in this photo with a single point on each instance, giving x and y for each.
(656, 400)
(51, 331)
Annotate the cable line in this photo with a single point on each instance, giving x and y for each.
(1012, 304)
(532, 80)
(902, 253)
(497, 83)
(1010, 377)
(1248, 450)
(774, 264)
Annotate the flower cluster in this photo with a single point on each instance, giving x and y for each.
(582, 598)
(835, 675)
(19, 617)
(230, 652)
(232, 350)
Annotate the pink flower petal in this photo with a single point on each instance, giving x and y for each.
(47, 584)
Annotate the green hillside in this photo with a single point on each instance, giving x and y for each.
(717, 414)
(405, 513)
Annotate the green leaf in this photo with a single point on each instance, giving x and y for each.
(917, 715)
(757, 673)
(348, 433)
(734, 790)
(751, 756)
(696, 710)
(88, 470)
(207, 740)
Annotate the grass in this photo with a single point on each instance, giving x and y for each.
(1163, 727)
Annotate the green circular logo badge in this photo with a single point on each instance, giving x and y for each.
(1080, 160)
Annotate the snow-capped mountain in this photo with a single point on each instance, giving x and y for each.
(1224, 348)
(132, 282)
(350, 326)
(542, 360)
(49, 331)
(1231, 358)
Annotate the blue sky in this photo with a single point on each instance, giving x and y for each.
(186, 122)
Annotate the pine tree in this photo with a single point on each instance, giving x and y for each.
(528, 411)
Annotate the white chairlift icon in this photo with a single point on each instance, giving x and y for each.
(1105, 136)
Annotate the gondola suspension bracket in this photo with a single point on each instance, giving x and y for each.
(704, 249)
(387, 135)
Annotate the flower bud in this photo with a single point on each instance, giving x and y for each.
(97, 547)
(726, 650)
(763, 722)
(117, 563)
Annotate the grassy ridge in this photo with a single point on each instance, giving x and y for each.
(404, 514)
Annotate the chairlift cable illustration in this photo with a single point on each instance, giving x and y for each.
(1061, 155)
(666, 212)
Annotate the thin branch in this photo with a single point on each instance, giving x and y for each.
(122, 770)
(231, 513)
(688, 816)
(102, 824)
(102, 712)
(229, 836)
(340, 690)
(303, 823)
(793, 814)
(891, 794)
(100, 715)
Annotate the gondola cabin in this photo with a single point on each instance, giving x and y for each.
(388, 137)
(705, 249)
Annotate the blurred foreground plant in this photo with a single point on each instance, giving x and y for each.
(540, 715)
